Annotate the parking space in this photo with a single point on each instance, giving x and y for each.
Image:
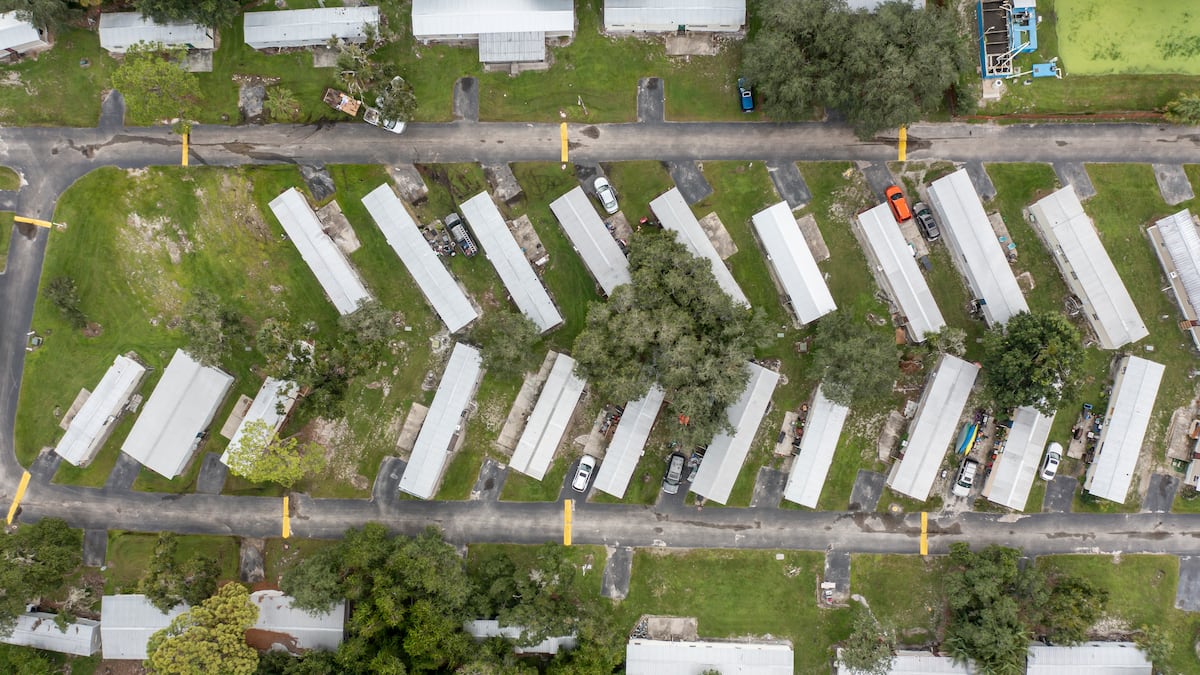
(1075, 175)
(768, 488)
(1060, 492)
(868, 487)
(690, 180)
(878, 176)
(1187, 593)
(125, 471)
(618, 569)
(981, 180)
(650, 101)
(387, 482)
(466, 99)
(95, 547)
(837, 572)
(212, 475)
(789, 183)
(1161, 493)
(490, 482)
(43, 468)
(567, 492)
(1173, 183)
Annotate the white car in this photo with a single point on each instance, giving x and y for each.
(583, 475)
(1053, 459)
(965, 479)
(606, 195)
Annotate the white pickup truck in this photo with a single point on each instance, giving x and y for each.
(372, 116)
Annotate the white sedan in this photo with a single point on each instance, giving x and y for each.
(583, 475)
(606, 195)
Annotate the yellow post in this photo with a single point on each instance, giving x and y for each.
(903, 143)
(924, 533)
(287, 520)
(12, 510)
(185, 149)
(568, 510)
(563, 133)
(34, 221)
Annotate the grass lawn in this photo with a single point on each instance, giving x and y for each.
(1018, 186)
(6, 234)
(904, 592)
(1156, 36)
(590, 560)
(9, 179)
(129, 554)
(53, 88)
(281, 555)
(521, 488)
(638, 183)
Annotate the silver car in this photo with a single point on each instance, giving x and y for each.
(606, 195)
(1053, 459)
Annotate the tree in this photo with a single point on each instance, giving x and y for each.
(1072, 608)
(508, 342)
(25, 661)
(1156, 642)
(282, 105)
(63, 294)
(1034, 360)
(211, 327)
(397, 101)
(36, 559)
(169, 581)
(261, 456)
(357, 72)
(209, 638)
(856, 364)
(156, 85)
(949, 340)
(211, 13)
(987, 593)
(52, 15)
(1184, 110)
(366, 335)
(870, 647)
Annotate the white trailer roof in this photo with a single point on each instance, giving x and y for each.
(905, 283)
(38, 630)
(177, 412)
(669, 15)
(628, 443)
(793, 262)
(725, 455)
(1015, 468)
(19, 35)
(1089, 658)
(978, 254)
(820, 440)
(308, 27)
(431, 450)
(468, 18)
(272, 404)
(435, 281)
(482, 629)
(592, 239)
(520, 46)
(334, 272)
(121, 30)
(675, 215)
(658, 657)
(323, 630)
(505, 254)
(934, 426)
(1087, 269)
(1181, 243)
(90, 426)
(127, 622)
(915, 663)
(1120, 442)
(549, 419)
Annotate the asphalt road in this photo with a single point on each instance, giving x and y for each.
(51, 159)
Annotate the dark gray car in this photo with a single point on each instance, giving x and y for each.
(929, 227)
(674, 475)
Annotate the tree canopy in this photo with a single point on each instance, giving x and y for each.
(211, 326)
(870, 647)
(260, 455)
(51, 15)
(856, 364)
(36, 559)
(212, 13)
(170, 581)
(209, 638)
(1034, 360)
(508, 341)
(156, 85)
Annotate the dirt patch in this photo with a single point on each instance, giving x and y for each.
(266, 640)
(338, 227)
(718, 235)
(528, 240)
(120, 668)
(145, 241)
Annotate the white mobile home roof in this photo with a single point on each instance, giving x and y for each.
(505, 254)
(308, 631)
(482, 629)
(931, 432)
(38, 630)
(512, 47)
(660, 16)
(468, 18)
(592, 239)
(432, 447)
(18, 35)
(1181, 242)
(1087, 269)
(127, 622)
(1015, 468)
(435, 281)
(916, 663)
(177, 412)
(821, 434)
(793, 263)
(975, 248)
(657, 657)
(90, 425)
(549, 419)
(272, 403)
(628, 443)
(905, 283)
(308, 27)
(723, 459)
(121, 30)
(334, 272)
(1089, 658)
(1120, 442)
(675, 215)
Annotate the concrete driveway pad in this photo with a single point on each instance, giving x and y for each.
(651, 104)
(1173, 183)
(1161, 493)
(1060, 493)
(1075, 175)
(212, 475)
(789, 183)
(690, 180)
(768, 489)
(868, 487)
(617, 571)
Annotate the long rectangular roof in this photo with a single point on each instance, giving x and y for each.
(505, 254)
(549, 419)
(178, 410)
(1089, 658)
(1015, 469)
(432, 447)
(675, 215)
(272, 403)
(482, 629)
(726, 453)
(308, 27)
(38, 630)
(820, 440)
(1087, 269)
(669, 15)
(1181, 242)
(435, 281)
(659, 657)
(127, 622)
(19, 35)
(978, 253)
(334, 272)
(91, 423)
(793, 263)
(1120, 442)
(906, 284)
(322, 630)
(907, 662)
(934, 426)
(592, 239)
(628, 443)
(121, 30)
(466, 18)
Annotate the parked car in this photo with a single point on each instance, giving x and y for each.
(674, 475)
(1054, 453)
(746, 95)
(373, 116)
(459, 231)
(925, 222)
(965, 479)
(606, 195)
(583, 475)
(895, 199)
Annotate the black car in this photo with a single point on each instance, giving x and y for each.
(674, 475)
(929, 228)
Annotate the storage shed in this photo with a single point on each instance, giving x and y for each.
(20, 36)
(897, 271)
(820, 440)
(591, 239)
(121, 30)
(94, 420)
(795, 267)
(726, 453)
(628, 443)
(670, 16)
(661, 657)
(1177, 245)
(127, 622)
(1089, 658)
(283, 626)
(675, 215)
(308, 27)
(38, 630)
(1135, 386)
(272, 405)
(1017, 466)
(549, 420)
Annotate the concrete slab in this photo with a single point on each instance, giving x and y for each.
(813, 237)
(768, 488)
(981, 180)
(1187, 593)
(95, 547)
(410, 185)
(878, 176)
(837, 571)
(212, 475)
(650, 101)
(692, 44)
(504, 184)
(789, 183)
(783, 444)
(1173, 183)
(385, 491)
(338, 227)
(1059, 495)
(123, 473)
(412, 427)
(43, 468)
(324, 57)
(510, 433)
(1075, 175)
(868, 487)
(614, 583)
(319, 182)
(690, 180)
(529, 241)
(250, 101)
(229, 428)
(112, 111)
(889, 435)
(671, 628)
(490, 482)
(466, 99)
(65, 421)
(250, 561)
(1161, 494)
(198, 61)
(715, 230)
